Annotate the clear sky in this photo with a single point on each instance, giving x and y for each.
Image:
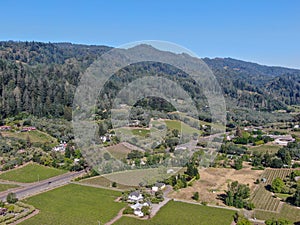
(263, 31)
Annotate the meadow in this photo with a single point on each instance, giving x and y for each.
(4, 187)
(271, 148)
(184, 213)
(31, 172)
(35, 136)
(104, 182)
(74, 204)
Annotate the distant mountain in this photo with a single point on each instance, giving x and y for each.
(40, 79)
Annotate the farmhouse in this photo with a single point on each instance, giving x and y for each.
(138, 208)
(158, 186)
(61, 147)
(135, 196)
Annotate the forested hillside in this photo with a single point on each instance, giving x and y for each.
(40, 79)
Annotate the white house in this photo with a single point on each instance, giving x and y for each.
(158, 186)
(137, 207)
(135, 196)
(138, 212)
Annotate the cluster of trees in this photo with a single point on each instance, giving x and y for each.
(282, 158)
(254, 138)
(288, 186)
(278, 222)
(237, 195)
(233, 149)
(181, 180)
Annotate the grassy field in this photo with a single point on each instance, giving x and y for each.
(118, 151)
(140, 132)
(184, 213)
(104, 182)
(35, 136)
(288, 212)
(266, 148)
(4, 187)
(76, 205)
(134, 177)
(30, 173)
(175, 124)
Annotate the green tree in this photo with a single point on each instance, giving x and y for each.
(11, 198)
(277, 185)
(277, 222)
(237, 194)
(196, 196)
(243, 221)
(296, 197)
(146, 210)
(106, 156)
(238, 164)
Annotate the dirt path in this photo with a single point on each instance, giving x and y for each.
(133, 147)
(117, 217)
(35, 212)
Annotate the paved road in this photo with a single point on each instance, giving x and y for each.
(38, 187)
(156, 207)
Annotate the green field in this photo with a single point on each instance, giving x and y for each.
(4, 187)
(74, 205)
(175, 124)
(134, 177)
(35, 136)
(118, 151)
(140, 132)
(30, 173)
(288, 212)
(266, 148)
(184, 213)
(104, 182)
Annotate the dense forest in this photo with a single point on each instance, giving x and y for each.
(40, 79)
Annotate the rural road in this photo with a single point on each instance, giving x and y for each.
(38, 187)
(156, 207)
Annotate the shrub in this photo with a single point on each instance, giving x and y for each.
(11, 198)
(128, 210)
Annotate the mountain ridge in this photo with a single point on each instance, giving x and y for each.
(40, 79)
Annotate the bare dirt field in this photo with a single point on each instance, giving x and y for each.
(213, 182)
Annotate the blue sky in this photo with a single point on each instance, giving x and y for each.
(263, 31)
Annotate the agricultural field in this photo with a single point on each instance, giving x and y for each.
(184, 213)
(213, 183)
(74, 204)
(4, 187)
(134, 177)
(118, 151)
(269, 147)
(267, 205)
(175, 124)
(31, 172)
(288, 212)
(35, 136)
(104, 182)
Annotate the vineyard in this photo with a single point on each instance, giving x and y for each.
(264, 199)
